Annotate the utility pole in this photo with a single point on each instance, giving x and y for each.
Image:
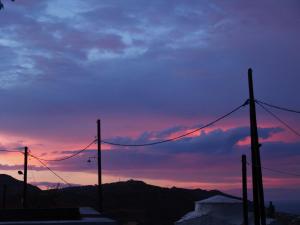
(245, 194)
(261, 189)
(100, 197)
(258, 195)
(4, 196)
(25, 178)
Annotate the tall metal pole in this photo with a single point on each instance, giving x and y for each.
(245, 194)
(100, 197)
(25, 178)
(258, 196)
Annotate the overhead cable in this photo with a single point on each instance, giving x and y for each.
(276, 170)
(279, 171)
(277, 107)
(70, 156)
(180, 136)
(43, 164)
(280, 120)
(282, 172)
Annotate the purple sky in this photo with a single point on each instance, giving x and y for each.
(148, 70)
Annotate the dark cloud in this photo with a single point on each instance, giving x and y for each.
(187, 155)
(129, 84)
(216, 141)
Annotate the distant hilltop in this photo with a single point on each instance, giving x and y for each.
(130, 200)
(126, 201)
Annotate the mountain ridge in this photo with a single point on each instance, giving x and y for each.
(124, 201)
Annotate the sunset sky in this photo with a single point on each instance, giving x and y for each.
(150, 70)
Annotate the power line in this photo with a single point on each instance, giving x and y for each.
(277, 171)
(5, 150)
(41, 162)
(70, 156)
(282, 172)
(278, 107)
(180, 136)
(280, 120)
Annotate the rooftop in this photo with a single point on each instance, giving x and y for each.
(220, 199)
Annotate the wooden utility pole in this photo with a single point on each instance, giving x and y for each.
(25, 178)
(4, 196)
(100, 197)
(245, 194)
(261, 189)
(258, 195)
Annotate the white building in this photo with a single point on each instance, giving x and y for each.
(218, 210)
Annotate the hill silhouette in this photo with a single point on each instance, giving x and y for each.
(14, 191)
(124, 201)
(128, 201)
(132, 201)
